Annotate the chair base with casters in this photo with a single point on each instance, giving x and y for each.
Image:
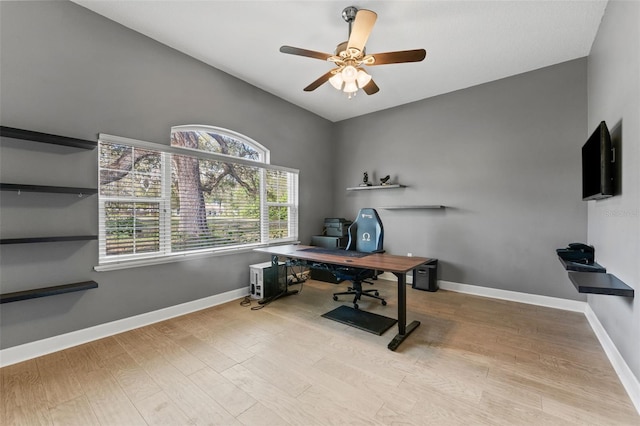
(358, 292)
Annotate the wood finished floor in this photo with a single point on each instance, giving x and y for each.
(472, 361)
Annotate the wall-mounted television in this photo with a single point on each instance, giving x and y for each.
(598, 165)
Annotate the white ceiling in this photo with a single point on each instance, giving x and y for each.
(467, 42)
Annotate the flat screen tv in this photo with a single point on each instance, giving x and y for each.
(597, 165)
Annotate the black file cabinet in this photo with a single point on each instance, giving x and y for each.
(425, 276)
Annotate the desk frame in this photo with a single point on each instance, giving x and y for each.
(398, 265)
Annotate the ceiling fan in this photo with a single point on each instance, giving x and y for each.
(350, 56)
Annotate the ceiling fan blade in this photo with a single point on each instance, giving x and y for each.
(320, 81)
(398, 57)
(371, 87)
(362, 26)
(304, 52)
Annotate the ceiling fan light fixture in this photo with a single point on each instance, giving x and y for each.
(350, 88)
(362, 78)
(349, 74)
(337, 81)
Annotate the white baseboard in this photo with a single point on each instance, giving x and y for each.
(49, 345)
(628, 379)
(514, 296)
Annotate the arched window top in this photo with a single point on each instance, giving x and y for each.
(219, 141)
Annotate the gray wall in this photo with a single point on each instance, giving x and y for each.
(68, 71)
(614, 223)
(503, 157)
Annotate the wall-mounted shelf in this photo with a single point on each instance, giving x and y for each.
(364, 188)
(581, 267)
(30, 135)
(48, 239)
(46, 291)
(425, 207)
(593, 278)
(600, 283)
(17, 187)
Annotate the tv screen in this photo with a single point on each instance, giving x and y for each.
(597, 165)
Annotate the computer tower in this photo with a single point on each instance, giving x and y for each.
(263, 282)
(425, 276)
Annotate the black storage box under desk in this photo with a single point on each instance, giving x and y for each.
(425, 276)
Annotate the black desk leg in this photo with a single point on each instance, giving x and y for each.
(275, 264)
(404, 330)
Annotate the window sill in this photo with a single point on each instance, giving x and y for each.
(180, 257)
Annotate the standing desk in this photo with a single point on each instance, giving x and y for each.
(398, 265)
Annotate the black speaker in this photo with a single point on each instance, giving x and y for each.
(425, 276)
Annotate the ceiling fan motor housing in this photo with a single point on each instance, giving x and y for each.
(342, 47)
(349, 13)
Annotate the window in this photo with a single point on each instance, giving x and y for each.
(211, 191)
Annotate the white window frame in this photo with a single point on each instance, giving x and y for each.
(165, 255)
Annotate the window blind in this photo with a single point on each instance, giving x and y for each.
(159, 201)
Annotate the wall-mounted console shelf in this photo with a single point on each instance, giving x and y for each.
(48, 239)
(363, 188)
(600, 283)
(425, 207)
(17, 187)
(46, 291)
(30, 135)
(594, 279)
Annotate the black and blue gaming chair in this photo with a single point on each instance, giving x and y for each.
(366, 235)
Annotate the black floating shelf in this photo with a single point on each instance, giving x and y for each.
(47, 239)
(30, 135)
(599, 283)
(47, 291)
(417, 207)
(582, 267)
(50, 189)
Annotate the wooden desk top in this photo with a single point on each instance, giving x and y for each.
(380, 261)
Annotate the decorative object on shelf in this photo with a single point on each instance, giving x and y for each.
(385, 180)
(365, 180)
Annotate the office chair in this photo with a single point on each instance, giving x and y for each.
(366, 234)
